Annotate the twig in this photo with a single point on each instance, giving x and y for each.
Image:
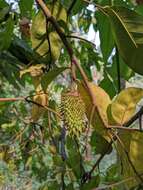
(62, 139)
(70, 52)
(50, 131)
(124, 128)
(87, 175)
(40, 105)
(140, 123)
(11, 99)
(134, 118)
(80, 155)
(116, 184)
(63, 180)
(128, 157)
(118, 70)
(71, 7)
(82, 39)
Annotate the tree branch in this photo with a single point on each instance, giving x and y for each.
(71, 54)
(11, 99)
(118, 70)
(87, 175)
(71, 7)
(134, 118)
(82, 39)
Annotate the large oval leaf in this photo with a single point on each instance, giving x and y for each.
(124, 105)
(102, 99)
(39, 32)
(127, 28)
(133, 143)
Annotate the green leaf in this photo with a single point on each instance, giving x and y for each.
(125, 71)
(109, 85)
(99, 143)
(74, 160)
(50, 76)
(26, 8)
(139, 9)
(3, 4)
(127, 28)
(124, 105)
(79, 5)
(92, 184)
(112, 173)
(3, 13)
(106, 38)
(6, 34)
(24, 53)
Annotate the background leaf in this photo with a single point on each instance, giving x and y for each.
(127, 28)
(50, 76)
(133, 142)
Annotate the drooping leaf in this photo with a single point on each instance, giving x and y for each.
(6, 34)
(92, 184)
(124, 105)
(112, 173)
(50, 76)
(3, 13)
(24, 53)
(74, 159)
(37, 111)
(25, 8)
(40, 35)
(3, 3)
(99, 143)
(102, 99)
(109, 85)
(106, 38)
(125, 71)
(127, 28)
(133, 142)
(139, 9)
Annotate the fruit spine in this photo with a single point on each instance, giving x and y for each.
(73, 113)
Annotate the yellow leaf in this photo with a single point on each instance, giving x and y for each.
(102, 99)
(133, 143)
(37, 111)
(39, 33)
(34, 70)
(124, 105)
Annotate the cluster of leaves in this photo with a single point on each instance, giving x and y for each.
(34, 58)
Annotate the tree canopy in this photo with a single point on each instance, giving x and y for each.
(68, 119)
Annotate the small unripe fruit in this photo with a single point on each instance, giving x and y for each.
(73, 113)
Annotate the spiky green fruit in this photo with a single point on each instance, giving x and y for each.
(73, 113)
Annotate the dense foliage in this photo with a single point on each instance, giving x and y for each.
(67, 118)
